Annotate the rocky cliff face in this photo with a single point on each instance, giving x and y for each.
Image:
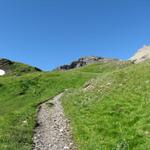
(141, 55)
(84, 61)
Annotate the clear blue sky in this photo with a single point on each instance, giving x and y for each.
(47, 33)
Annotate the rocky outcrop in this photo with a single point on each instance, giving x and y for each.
(141, 55)
(84, 61)
(5, 64)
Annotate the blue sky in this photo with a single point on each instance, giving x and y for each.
(48, 33)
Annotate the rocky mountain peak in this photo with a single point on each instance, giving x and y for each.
(141, 55)
(84, 61)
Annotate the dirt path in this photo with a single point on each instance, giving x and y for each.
(52, 132)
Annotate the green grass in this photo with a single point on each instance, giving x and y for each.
(20, 95)
(114, 114)
(18, 69)
(19, 98)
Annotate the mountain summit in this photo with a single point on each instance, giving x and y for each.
(84, 61)
(141, 55)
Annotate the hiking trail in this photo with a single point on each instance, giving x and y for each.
(52, 131)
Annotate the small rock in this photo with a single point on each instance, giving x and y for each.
(66, 147)
(61, 130)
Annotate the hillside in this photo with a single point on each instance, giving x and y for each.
(15, 68)
(112, 111)
(107, 104)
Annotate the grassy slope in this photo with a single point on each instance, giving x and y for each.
(18, 99)
(20, 95)
(114, 113)
(19, 69)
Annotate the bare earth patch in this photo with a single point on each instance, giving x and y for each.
(52, 131)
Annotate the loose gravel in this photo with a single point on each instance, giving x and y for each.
(52, 131)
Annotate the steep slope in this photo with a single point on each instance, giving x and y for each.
(141, 55)
(14, 68)
(112, 110)
(20, 96)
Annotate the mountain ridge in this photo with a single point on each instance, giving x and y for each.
(8, 66)
(83, 61)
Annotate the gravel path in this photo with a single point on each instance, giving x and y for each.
(52, 131)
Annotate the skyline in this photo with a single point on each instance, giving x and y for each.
(76, 59)
(47, 34)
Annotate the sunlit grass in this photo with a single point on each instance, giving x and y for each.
(115, 114)
(20, 95)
